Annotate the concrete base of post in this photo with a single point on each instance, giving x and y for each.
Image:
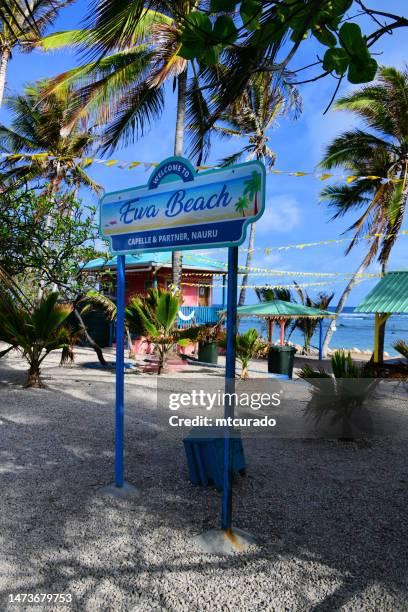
(128, 491)
(225, 542)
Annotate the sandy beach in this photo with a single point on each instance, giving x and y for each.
(330, 517)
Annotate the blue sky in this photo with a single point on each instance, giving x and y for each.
(293, 212)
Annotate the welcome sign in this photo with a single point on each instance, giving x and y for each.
(182, 209)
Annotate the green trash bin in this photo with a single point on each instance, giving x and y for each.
(281, 359)
(208, 352)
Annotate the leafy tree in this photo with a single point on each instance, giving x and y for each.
(252, 42)
(21, 23)
(49, 250)
(34, 330)
(379, 150)
(35, 147)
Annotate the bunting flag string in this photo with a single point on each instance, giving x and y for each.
(300, 246)
(131, 165)
(272, 272)
(270, 286)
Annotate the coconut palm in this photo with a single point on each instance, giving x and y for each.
(21, 23)
(35, 148)
(379, 150)
(266, 294)
(137, 49)
(253, 116)
(308, 325)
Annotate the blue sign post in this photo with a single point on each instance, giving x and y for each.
(120, 370)
(180, 209)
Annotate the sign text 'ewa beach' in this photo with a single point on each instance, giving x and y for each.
(182, 209)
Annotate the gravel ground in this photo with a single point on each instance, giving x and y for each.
(331, 518)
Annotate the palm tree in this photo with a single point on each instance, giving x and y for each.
(21, 23)
(158, 316)
(252, 116)
(34, 330)
(267, 294)
(380, 150)
(247, 346)
(308, 325)
(35, 148)
(137, 49)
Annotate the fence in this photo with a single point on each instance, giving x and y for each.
(199, 315)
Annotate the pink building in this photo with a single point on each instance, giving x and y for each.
(154, 269)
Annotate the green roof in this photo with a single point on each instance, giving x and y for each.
(389, 295)
(281, 310)
(155, 259)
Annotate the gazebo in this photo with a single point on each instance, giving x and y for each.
(280, 311)
(389, 296)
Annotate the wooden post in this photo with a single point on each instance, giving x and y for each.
(380, 319)
(271, 324)
(282, 332)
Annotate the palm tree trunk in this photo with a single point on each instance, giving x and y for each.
(177, 258)
(89, 338)
(381, 332)
(4, 58)
(251, 243)
(341, 304)
(33, 377)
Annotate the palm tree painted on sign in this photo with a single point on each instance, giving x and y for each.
(252, 188)
(381, 151)
(242, 204)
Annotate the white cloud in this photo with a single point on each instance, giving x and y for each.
(282, 214)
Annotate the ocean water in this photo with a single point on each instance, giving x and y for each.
(354, 330)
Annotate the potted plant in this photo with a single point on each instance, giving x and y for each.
(207, 337)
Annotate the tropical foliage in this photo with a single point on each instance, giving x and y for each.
(379, 150)
(248, 346)
(248, 37)
(158, 314)
(337, 399)
(35, 148)
(137, 49)
(22, 23)
(33, 330)
(402, 347)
